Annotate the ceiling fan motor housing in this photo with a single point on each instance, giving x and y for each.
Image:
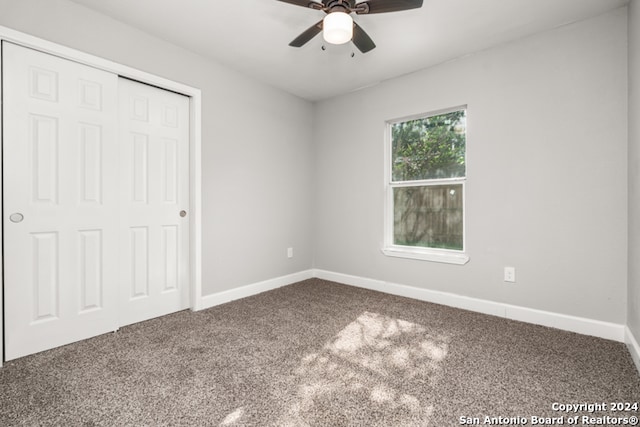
(346, 6)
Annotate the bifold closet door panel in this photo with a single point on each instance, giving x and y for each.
(61, 201)
(154, 201)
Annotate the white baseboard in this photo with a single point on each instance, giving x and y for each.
(565, 322)
(611, 331)
(208, 301)
(634, 348)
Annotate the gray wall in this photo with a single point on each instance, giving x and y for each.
(256, 143)
(547, 172)
(633, 319)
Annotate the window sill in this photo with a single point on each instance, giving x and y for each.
(427, 255)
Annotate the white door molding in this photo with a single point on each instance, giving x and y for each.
(195, 141)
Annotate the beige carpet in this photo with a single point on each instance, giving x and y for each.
(321, 354)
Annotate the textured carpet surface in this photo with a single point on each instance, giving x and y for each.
(320, 354)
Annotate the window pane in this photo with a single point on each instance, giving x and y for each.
(429, 216)
(429, 148)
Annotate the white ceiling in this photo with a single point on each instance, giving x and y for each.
(252, 36)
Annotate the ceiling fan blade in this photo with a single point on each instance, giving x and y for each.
(382, 6)
(303, 3)
(361, 39)
(310, 33)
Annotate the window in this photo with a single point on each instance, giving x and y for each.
(426, 174)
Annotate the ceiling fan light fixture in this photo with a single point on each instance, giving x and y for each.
(337, 28)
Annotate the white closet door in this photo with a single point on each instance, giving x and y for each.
(154, 217)
(60, 201)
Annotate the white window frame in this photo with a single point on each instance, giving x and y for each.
(449, 256)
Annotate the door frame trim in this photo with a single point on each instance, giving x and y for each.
(195, 144)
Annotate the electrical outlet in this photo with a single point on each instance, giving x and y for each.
(289, 252)
(510, 274)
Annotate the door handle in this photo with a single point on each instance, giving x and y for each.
(183, 213)
(16, 217)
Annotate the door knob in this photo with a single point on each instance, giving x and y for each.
(183, 213)
(16, 217)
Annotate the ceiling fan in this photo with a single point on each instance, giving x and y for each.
(338, 26)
